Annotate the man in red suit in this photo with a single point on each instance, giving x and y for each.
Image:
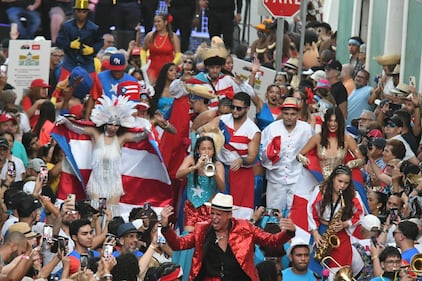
(224, 246)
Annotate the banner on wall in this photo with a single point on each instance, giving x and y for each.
(28, 60)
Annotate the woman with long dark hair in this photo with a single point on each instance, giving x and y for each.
(332, 144)
(334, 206)
(194, 168)
(45, 122)
(163, 46)
(162, 100)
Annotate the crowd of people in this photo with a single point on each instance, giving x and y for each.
(324, 175)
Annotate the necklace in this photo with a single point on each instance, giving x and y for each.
(162, 42)
(219, 237)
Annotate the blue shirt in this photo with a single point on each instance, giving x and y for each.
(408, 254)
(77, 255)
(109, 83)
(357, 102)
(288, 274)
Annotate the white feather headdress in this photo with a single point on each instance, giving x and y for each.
(117, 110)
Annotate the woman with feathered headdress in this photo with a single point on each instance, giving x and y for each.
(111, 117)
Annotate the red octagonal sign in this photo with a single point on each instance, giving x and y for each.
(282, 8)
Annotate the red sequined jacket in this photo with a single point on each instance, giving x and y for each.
(242, 238)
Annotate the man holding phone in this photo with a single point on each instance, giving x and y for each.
(128, 236)
(82, 234)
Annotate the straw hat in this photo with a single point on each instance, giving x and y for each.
(388, 59)
(200, 90)
(218, 138)
(215, 56)
(223, 202)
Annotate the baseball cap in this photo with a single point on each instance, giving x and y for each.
(4, 117)
(298, 242)
(371, 223)
(394, 119)
(130, 89)
(334, 64)
(318, 75)
(110, 50)
(136, 51)
(379, 142)
(4, 143)
(39, 83)
(23, 228)
(36, 164)
(322, 84)
(126, 228)
(117, 62)
(26, 205)
(375, 133)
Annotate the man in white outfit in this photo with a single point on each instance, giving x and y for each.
(281, 141)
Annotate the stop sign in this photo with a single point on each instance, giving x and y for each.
(282, 8)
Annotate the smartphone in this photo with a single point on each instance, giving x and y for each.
(62, 244)
(84, 261)
(44, 175)
(374, 241)
(102, 205)
(3, 70)
(11, 168)
(412, 81)
(54, 248)
(108, 250)
(394, 214)
(72, 198)
(48, 232)
(160, 239)
(147, 205)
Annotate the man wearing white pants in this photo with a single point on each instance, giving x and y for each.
(281, 141)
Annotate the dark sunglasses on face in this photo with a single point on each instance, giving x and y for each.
(238, 108)
(391, 124)
(188, 61)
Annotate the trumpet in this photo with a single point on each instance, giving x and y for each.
(345, 273)
(209, 167)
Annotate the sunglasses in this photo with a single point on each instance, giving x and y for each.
(391, 124)
(188, 61)
(237, 108)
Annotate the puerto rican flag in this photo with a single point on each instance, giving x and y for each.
(144, 175)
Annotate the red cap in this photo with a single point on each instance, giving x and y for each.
(39, 83)
(136, 51)
(142, 106)
(7, 117)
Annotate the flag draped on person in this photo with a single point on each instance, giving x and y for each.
(144, 175)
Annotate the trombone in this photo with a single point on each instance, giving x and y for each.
(345, 273)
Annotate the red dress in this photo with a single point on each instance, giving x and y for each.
(161, 51)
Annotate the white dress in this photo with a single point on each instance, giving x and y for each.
(106, 177)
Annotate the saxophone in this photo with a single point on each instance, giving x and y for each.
(330, 239)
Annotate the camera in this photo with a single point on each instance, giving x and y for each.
(271, 212)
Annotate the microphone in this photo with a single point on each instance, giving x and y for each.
(325, 274)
